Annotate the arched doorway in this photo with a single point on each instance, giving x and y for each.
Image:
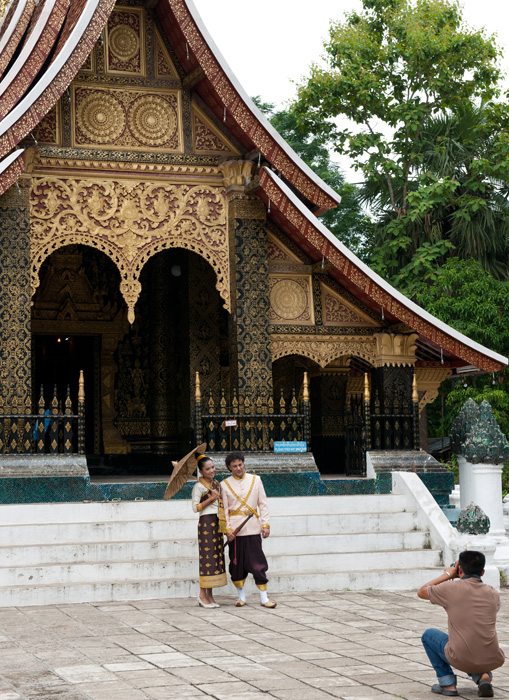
(139, 379)
(180, 328)
(336, 395)
(78, 318)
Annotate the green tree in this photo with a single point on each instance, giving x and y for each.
(394, 70)
(348, 221)
(468, 298)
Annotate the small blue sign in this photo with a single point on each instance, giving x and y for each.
(291, 446)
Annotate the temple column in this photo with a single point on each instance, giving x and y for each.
(251, 343)
(15, 318)
(394, 415)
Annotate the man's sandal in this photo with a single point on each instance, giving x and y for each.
(437, 688)
(485, 689)
(240, 603)
(269, 604)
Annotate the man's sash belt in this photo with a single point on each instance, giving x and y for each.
(247, 508)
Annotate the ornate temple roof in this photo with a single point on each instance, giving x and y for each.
(44, 43)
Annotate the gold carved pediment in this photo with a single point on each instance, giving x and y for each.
(124, 44)
(207, 138)
(291, 300)
(163, 65)
(124, 118)
(277, 251)
(337, 311)
(130, 222)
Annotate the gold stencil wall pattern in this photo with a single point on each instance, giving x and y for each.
(133, 119)
(130, 222)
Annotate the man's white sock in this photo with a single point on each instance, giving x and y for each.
(264, 598)
(241, 594)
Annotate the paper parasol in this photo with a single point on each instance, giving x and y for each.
(182, 470)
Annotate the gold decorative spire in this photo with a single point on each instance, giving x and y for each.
(367, 395)
(305, 389)
(197, 390)
(415, 395)
(81, 387)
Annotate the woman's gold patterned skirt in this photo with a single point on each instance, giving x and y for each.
(211, 549)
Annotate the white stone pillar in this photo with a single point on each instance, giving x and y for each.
(467, 493)
(485, 481)
(479, 543)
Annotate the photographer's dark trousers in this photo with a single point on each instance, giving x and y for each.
(247, 557)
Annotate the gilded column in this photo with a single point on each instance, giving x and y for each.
(15, 319)
(250, 290)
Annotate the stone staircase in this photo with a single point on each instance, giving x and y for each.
(77, 552)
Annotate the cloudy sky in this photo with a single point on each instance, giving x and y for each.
(270, 43)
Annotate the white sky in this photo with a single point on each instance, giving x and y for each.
(270, 43)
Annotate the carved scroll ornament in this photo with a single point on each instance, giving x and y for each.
(130, 222)
(323, 349)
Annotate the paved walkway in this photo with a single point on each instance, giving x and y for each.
(312, 647)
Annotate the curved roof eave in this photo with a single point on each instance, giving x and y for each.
(14, 30)
(371, 284)
(328, 198)
(45, 93)
(11, 168)
(33, 54)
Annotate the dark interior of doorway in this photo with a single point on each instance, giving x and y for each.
(58, 362)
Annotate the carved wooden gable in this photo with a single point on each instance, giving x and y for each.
(207, 139)
(337, 311)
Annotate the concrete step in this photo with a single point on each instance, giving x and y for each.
(182, 567)
(58, 553)
(18, 514)
(109, 551)
(155, 530)
(23, 595)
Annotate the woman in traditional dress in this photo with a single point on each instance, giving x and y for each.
(206, 501)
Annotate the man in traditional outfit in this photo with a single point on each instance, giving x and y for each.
(243, 495)
(472, 644)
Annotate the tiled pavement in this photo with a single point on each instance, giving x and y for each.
(320, 646)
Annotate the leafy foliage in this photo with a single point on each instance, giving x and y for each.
(348, 221)
(406, 74)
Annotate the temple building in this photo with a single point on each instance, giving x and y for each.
(159, 239)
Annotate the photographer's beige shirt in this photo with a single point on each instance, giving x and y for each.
(471, 607)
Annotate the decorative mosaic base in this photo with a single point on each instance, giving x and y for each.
(78, 489)
(61, 490)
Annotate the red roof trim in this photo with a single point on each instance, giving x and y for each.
(17, 34)
(24, 75)
(42, 104)
(363, 282)
(9, 176)
(237, 107)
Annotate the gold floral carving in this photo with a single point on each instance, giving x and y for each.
(49, 129)
(323, 349)
(237, 174)
(428, 381)
(123, 119)
(130, 222)
(207, 138)
(395, 349)
(337, 311)
(278, 251)
(125, 42)
(163, 64)
(291, 300)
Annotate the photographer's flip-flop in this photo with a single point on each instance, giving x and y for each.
(437, 688)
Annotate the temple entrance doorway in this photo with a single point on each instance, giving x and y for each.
(78, 318)
(336, 395)
(139, 378)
